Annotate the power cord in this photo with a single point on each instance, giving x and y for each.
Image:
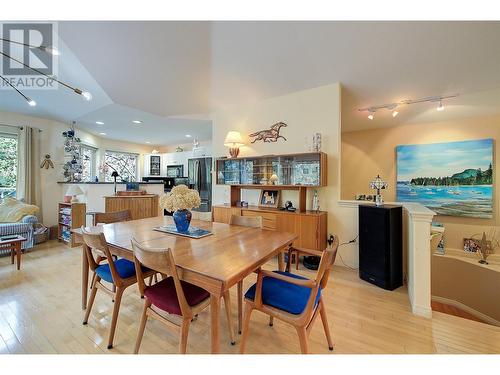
(341, 259)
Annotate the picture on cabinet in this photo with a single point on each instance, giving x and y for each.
(269, 198)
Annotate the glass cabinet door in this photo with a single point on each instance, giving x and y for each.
(289, 170)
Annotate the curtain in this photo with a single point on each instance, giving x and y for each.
(28, 167)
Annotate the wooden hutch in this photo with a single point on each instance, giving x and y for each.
(293, 172)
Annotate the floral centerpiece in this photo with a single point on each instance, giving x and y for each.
(179, 201)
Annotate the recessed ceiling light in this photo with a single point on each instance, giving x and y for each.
(99, 123)
(137, 121)
(102, 133)
(188, 135)
(148, 142)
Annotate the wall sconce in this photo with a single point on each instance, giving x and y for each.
(234, 142)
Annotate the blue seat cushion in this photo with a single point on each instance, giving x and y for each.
(124, 267)
(282, 295)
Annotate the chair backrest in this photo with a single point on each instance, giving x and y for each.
(112, 217)
(326, 263)
(246, 221)
(160, 260)
(95, 240)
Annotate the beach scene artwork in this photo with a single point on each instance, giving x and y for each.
(453, 178)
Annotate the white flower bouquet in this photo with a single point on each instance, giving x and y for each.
(180, 198)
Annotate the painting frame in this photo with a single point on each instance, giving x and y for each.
(453, 178)
(271, 196)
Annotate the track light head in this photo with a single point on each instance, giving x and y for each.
(51, 49)
(371, 116)
(85, 94)
(395, 113)
(440, 106)
(31, 102)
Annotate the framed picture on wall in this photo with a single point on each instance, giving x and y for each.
(269, 198)
(452, 178)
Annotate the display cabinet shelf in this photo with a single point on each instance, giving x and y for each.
(278, 172)
(304, 169)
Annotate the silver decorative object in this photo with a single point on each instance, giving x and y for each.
(317, 142)
(378, 184)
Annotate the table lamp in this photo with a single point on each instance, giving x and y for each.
(234, 142)
(115, 175)
(378, 184)
(73, 191)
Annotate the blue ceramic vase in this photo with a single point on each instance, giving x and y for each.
(182, 219)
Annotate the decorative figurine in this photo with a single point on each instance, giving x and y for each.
(271, 135)
(378, 184)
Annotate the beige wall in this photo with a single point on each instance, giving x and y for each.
(52, 143)
(369, 152)
(305, 112)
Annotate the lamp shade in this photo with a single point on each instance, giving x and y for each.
(74, 190)
(233, 139)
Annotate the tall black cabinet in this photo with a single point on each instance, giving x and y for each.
(381, 245)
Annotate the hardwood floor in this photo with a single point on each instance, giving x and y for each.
(40, 313)
(452, 310)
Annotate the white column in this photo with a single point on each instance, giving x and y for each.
(419, 258)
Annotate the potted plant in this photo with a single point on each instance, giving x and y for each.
(180, 201)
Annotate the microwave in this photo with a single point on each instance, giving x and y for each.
(175, 171)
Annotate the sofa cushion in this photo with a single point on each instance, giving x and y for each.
(13, 211)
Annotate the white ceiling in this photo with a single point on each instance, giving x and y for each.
(154, 129)
(180, 72)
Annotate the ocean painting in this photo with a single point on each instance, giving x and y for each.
(454, 178)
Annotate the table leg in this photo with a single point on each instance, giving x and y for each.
(281, 261)
(240, 305)
(18, 253)
(214, 313)
(12, 254)
(85, 277)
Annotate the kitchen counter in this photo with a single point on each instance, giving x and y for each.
(112, 183)
(95, 193)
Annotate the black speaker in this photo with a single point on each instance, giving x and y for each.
(381, 245)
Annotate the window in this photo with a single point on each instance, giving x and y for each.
(8, 165)
(88, 154)
(124, 163)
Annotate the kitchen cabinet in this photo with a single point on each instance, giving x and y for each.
(153, 165)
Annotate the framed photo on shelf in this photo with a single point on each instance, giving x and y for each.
(269, 198)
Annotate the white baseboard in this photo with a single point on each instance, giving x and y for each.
(423, 311)
(470, 310)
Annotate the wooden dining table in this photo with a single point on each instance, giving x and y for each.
(215, 263)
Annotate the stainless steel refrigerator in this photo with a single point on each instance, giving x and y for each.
(200, 178)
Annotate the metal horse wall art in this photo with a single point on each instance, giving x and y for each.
(269, 135)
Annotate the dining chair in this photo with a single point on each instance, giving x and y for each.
(112, 217)
(109, 218)
(120, 273)
(292, 298)
(180, 300)
(244, 221)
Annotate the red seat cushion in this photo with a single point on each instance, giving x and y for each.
(164, 296)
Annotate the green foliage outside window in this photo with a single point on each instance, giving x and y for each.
(8, 165)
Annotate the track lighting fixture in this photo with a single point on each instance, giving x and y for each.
(393, 106)
(49, 49)
(30, 101)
